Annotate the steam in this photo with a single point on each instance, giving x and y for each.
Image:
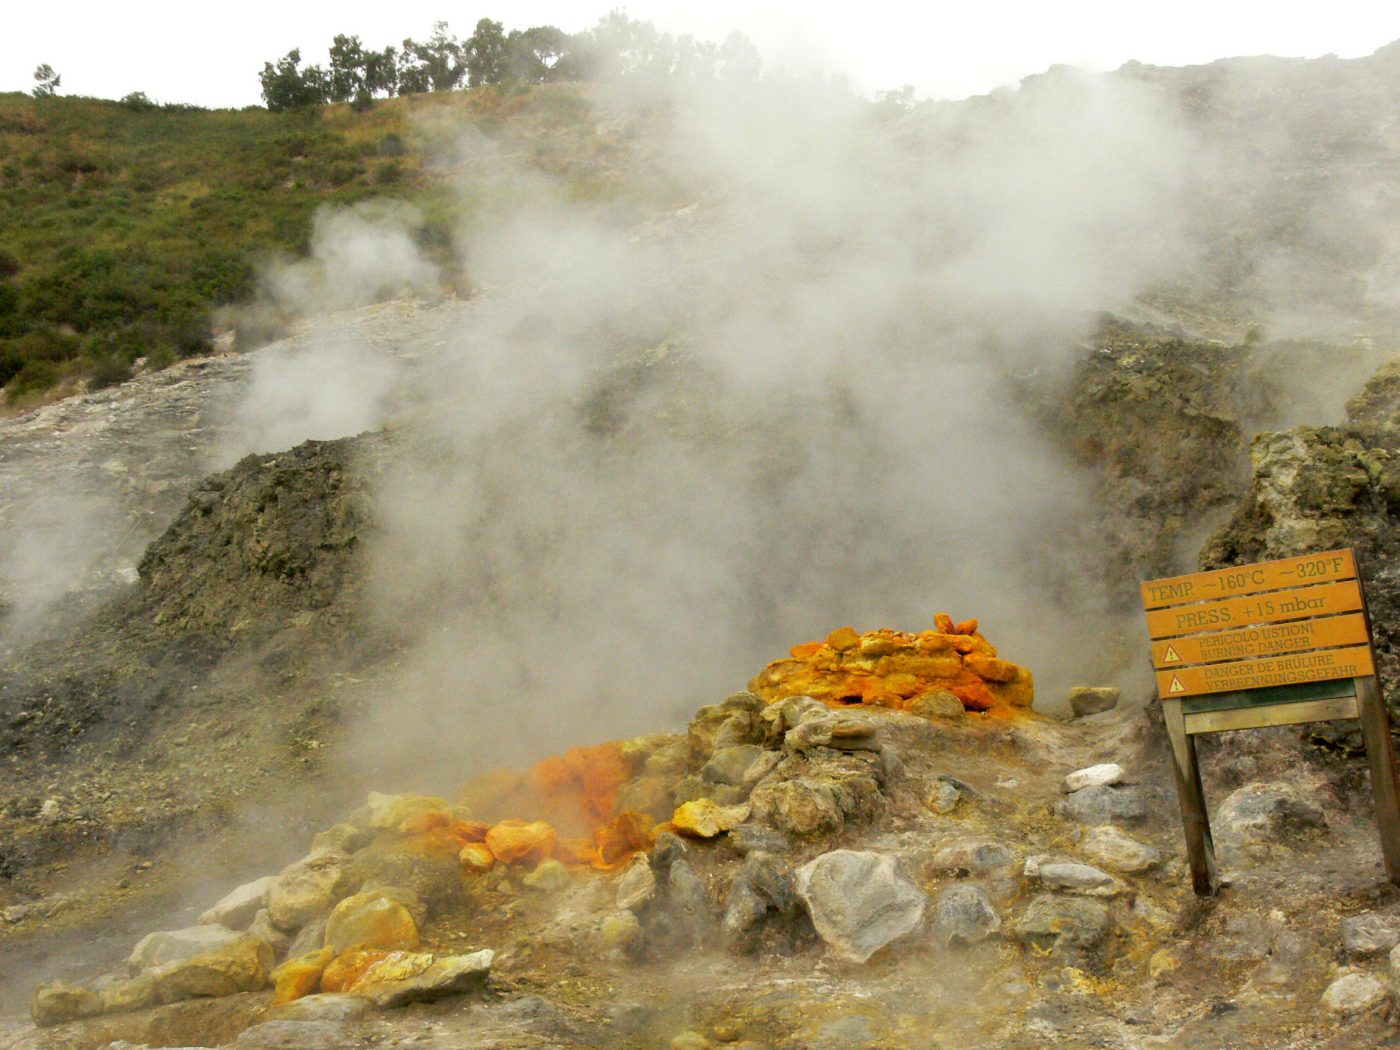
(656, 456)
(774, 385)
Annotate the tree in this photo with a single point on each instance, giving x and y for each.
(382, 71)
(46, 81)
(287, 86)
(532, 55)
(347, 68)
(435, 66)
(485, 53)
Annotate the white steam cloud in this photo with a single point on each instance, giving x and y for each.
(660, 454)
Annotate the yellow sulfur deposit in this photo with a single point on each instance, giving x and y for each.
(892, 668)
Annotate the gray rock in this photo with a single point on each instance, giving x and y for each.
(445, 975)
(964, 915)
(1104, 805)
(1092, 699)
(294, 1035)
(341, 838)
(1069, 876)
(636, 886)
(687, 913)
(761, 888)
(1354, 993)
(1261, 813)
(308, 939)
(798, 807)
(1103, 775)
(973, 855)
(753, 838)
(261, 927)
(169, 946)
(320, 1007)
(1071, 927)
(1371, 934)
(791, 712)
(236, 909)
(308, 890)
(859, 902)
(739, 764)
(1111, 848)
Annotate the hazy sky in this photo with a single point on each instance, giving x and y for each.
(211, 53)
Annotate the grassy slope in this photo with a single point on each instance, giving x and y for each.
(121, 230)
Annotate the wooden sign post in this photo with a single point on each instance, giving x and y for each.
(1271, 644)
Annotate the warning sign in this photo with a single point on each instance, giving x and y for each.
(1320, 666)
(1286, 622)
(1251, 643)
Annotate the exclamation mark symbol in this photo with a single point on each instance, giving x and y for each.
(1176, 686)
(1171, 656)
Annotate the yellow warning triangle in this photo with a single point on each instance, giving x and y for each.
(1170, 657)
(1176, 686)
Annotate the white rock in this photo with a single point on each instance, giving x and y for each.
(1108, 846)
(859, 901)
(1057, 873)
(236, 909)
(1103, 775)
(1354, 992)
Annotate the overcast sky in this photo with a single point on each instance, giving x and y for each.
(210, 53)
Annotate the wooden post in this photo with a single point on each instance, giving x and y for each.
(1380, 756)
(1200, 848)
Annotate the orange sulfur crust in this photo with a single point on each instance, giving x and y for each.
(889, 668)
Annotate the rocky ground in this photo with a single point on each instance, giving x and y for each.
(952, 880)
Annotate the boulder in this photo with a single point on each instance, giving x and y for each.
(56, 1003)
(412, 977)
(372, 920)
(798, 807)
(519, 841)
(1113, 849)
(319, 1007)
(1103, 775)
(307, 890)
(1092, 699)
(964, 914)
(705, 818)
(239, 967)
(859, 902)
(755, 838)
(1072, 927)
(1258, 814)
(237, 909)
(1370, 934)
(1354, 993)
(936, 704)
(1104, 805)
(341, 838)
(168, 946)
(738, 764)
(288, 1034)
(549, 876)
(388, 812)
(762, 888)
(637, 886)
(973, 856)
(1068, 876)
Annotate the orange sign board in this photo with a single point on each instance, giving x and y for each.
(1249, 579)
(1321, 666)
(1264, 640)
(1277, 607)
